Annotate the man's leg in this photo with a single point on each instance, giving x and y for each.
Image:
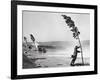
(73, 61)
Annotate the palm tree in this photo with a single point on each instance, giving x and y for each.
(75, 31)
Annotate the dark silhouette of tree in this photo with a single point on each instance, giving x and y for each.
(32, 38)
(25, 39)
(75, 31)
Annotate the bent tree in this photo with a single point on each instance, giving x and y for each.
(75, 31)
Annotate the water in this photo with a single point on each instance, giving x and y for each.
(59, 56)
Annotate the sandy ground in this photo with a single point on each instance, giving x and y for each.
(58, 54)
(50, 59)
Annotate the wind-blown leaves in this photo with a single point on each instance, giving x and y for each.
(66, 17)
(71, 24)
(25, 38)
(32, 37)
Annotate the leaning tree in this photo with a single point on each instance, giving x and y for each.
(75, 31)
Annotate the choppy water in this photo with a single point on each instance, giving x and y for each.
(58, 57)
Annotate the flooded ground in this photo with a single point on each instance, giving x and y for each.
(54, 57)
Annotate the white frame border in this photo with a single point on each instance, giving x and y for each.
(21, 71)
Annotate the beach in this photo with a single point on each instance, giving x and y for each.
(56, 55)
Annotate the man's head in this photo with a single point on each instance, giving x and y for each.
(77, 47)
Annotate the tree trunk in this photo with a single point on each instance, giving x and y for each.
(81, 50)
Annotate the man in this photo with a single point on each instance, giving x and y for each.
(74, 56)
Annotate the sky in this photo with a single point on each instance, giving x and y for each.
(50, 26)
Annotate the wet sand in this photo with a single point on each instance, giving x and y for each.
(41, 60)
(57, 55)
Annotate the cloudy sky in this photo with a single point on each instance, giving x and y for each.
(50, 26)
